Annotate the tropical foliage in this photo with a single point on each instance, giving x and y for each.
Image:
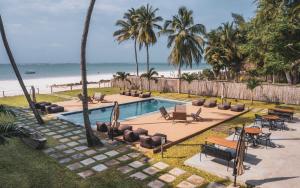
(189, 78)
(252, 83)
(151, 75)
(123, 76)
(7, 126)
(128, 30)
(185, 40)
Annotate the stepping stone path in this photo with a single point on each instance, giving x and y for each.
(167, 178)
(112, 162)
(151, 170)
(123, 158)
(215, 185)
(177, 171)
(196, 180)
(136, 164)
(112, 153)
(100, 157)
(88, 161)
(139, 176)
(125, 169)
(161, 165)
(78, 156)
(74, 166)
(65, 160)
(156, 184)
(71, 144)
(99, 167)
(90, 152)
(81, 148)
(185, 184)
(86, 173)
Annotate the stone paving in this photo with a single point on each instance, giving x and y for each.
(72, 152)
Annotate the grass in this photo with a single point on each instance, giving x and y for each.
(20, 166)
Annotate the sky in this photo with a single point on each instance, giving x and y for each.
(49, 31)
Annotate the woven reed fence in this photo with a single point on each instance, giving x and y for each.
(266, 92)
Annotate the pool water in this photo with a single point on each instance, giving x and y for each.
(127, 111)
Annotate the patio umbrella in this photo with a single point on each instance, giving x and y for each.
(115, 114)
(240, 155)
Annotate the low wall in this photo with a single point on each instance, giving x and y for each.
(266, 92)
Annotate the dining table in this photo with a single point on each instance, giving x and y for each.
(253, 133)
(271, 119)
(222, 142)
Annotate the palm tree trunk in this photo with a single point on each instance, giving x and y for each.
(147, 48)
(136, 59)
(149, 85)
(92, 140)
(18, 75)
(179, 79)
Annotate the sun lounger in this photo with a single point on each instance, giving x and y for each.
(132, 136)
(164, 113)
(117, 131)
(151, 142)
(128, 93)
(238, 108)
(196, 116)
(198, 102)
(99, 97)
(145, 95)
(210, 103)
(224, 106)
(54, 108)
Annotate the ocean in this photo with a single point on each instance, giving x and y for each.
(47, 74)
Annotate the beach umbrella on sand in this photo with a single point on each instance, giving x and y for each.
(115, 114)
(240, 156)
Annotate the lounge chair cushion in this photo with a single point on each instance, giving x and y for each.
(198, 102)
(141, 131)
(224, 106)
(38, 105)
(56, 109)
(238, 108)
(130, 136)
(122, 128)
(210, 103)
(146, 142)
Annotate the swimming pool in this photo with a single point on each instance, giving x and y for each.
(127, 111)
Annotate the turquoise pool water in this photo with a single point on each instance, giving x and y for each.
(127, 111)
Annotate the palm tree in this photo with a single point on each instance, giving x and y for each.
(92, 140)
(18, 75)
(189, 78)
(147, 23)
(128, 30)
(150, 75)
(184, 37)
(123, 76)
(252, 83)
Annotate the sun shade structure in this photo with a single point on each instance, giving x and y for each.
(115, 114)
(240, 156)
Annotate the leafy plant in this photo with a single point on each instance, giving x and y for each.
(189, 78)
(252, 83)
(7, 127)
(123, 76)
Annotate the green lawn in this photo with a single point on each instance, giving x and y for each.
(91, 91)
(20, 166)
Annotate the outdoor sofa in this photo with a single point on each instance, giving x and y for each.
(132, 136)
(238, 108)
(210, 103)
(151, 142)
(224, 106)
(145, 95)
(47, 107)
(198, 102)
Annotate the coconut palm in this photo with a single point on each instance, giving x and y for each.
(92, 140)
(123, 76)
(189, 78)
(185, 39)
(252, 83)
(150, 75)
(18, 75)
(128, 30)
(147, 23)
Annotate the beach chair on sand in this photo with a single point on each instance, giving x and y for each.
(196, 116)
(164, 113)
(80, 97)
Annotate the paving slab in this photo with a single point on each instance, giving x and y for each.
(177, 172)
(61, 147)
(123, 158)
(75, 137)
(134, 154)
(56, 155)
(167, 178)
(151, 170)
(78, 156)
(125, 169)
(161, 165)
(58, 136)
(49, 150)
(100, 157)
(63, 140)
(156, 184)
(72, 144)
(90, 152)
(136, 164)
(65, 160)
(186, 184)
(123, 149)
(139, 176)
(80, 148)
(87, 162)
(50, 133)
(86, 173)
(99, 168)
(69, 151)
(112, 153)
(195, 179)
(112, 162)
(74, 166)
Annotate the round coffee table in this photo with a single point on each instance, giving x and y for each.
(253, 132)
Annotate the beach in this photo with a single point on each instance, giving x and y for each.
(58, 74)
